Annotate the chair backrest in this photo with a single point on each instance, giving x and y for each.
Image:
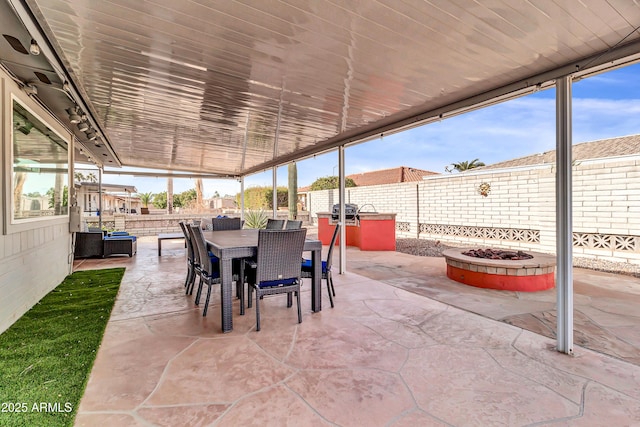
(331, 246)
(201, 244)
(187, 238)
(220, 224)
(279, 254)
(275, 224)
(293, 225)
(194, 246)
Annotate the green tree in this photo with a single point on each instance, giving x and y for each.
(330, 182)
(283, 197)
(91, 177)
(256, 198)
(463, 166)
(185, 199)
(79, 176)
(51, 193)
(160, 200)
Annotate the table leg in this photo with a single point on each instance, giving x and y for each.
(240, 287)
(226, 276)
(159, 247)
(316, 280)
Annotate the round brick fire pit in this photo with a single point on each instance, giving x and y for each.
(525, 275)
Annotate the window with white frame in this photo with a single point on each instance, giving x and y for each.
(40, 168)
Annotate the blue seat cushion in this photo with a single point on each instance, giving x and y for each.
(277, 283)
(120, 238)
(214, 259)
(119, 233)
(307, 266)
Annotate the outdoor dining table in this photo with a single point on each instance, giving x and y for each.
(228, 245)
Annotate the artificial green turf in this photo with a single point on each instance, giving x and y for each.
(46, 356)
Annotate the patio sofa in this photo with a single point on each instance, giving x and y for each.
(97, 244)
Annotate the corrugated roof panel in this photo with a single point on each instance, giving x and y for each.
(173, 83)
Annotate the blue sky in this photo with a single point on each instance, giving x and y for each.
(604, 106)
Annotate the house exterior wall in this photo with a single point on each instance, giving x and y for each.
(519, 209)
(36, 255)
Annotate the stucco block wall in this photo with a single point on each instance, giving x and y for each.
(32, 263)
(519, 211)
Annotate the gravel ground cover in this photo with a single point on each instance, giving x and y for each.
(434, 248)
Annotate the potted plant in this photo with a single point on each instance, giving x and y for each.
(145, 198)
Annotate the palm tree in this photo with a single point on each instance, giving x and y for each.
(145, 198)
(91, 177)
(170, 195)
(18, 178)
(463, 166)
(199, 191)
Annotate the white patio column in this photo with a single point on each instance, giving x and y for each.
(564, 212)
(275, 193)
(100, 197)
(242, 199)
(341, 199)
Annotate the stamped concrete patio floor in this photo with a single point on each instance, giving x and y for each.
(382, 356)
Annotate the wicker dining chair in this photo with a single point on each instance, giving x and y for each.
(191, 269)
(209, 267)
(277, 267)
(275, 224)
(220, 224)
(196, 258)
(307, 266)
(293, 225)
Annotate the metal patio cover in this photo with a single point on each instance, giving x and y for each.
(234, 87)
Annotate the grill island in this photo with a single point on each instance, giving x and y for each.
(369, 231)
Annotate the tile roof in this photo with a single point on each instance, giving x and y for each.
(384, 176)
(611, 147)
(389, 176)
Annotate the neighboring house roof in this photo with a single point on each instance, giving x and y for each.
(389, 176)
(384, 176)
(611, 147)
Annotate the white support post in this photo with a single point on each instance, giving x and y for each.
(275, 192)
(564, 212)
(343, 216)
(100, 197)
(242, 199)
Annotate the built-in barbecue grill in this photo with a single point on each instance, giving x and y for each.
(350, 211)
